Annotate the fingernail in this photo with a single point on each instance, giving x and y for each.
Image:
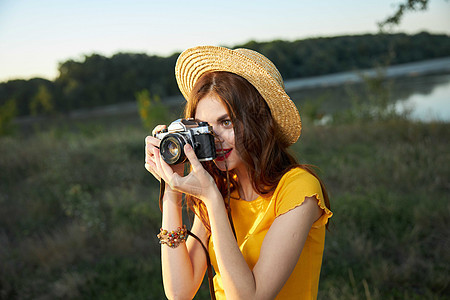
(188, 147)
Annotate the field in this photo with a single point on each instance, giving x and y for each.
(79, 212)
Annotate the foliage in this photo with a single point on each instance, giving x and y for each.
(80, 205)
(7, 113)
(402, 8)
(71, 202)
(319, 56)
(151, 110)
(97, 80)
(79, 212)
(22, 92)
(41, 103)
(389, 233)
(370, 101)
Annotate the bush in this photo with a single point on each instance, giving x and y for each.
(7, 114)
(79, 212)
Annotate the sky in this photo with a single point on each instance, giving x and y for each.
(37, 35)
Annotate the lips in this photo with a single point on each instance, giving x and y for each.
(223, 154)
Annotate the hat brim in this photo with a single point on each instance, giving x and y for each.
(195, 62)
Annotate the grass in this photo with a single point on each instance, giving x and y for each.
(389, 189)
(79, 212)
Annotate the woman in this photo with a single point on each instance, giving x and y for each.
(266, 240)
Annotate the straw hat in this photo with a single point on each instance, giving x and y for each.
(251, 65)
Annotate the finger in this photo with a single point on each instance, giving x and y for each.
(159, 166)
(172, 178)
(190, 154)
(156, 159)
(151, 164)
(158, 129)
(148, 154)
(152, 171)
(149, 159)
(152, 141)
(167, 169)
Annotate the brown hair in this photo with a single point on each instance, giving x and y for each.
(256, 133)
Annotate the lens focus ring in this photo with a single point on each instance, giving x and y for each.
(171, 148)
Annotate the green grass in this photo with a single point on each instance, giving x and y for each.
(389, 237)
(79, 212)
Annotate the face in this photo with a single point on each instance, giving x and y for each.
(211, 109)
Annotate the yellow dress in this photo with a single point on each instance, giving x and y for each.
(252, 220)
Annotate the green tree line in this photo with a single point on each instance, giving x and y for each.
(97, 80)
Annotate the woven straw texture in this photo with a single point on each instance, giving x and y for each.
(251, 65)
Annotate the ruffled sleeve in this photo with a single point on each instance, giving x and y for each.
(294, 187)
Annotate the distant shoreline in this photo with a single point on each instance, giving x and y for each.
(425, 67)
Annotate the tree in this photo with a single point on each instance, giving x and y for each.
(42, 102)
(401, 9)
(151, 110)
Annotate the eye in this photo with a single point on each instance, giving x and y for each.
(227, 123)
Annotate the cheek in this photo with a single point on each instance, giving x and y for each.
(228, 136)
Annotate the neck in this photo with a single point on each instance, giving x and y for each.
(246, 191)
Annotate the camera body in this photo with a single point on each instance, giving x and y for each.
(186, 131)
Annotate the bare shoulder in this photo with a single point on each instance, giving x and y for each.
(304, 214)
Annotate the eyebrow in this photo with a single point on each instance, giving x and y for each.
(223, 117)
(219, 119)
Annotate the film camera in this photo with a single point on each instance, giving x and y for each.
(186, 131)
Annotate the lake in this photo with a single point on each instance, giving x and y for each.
(430, 100)
(425, 97)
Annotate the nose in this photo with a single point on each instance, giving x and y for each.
(217, 137)
(216, 132)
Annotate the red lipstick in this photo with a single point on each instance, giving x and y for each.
(223, 154)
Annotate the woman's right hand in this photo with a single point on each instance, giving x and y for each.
(152, 143)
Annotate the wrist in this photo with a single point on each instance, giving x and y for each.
(171, 197)
(172, 215)
(214, 199)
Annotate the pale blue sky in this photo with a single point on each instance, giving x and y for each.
(37, 34)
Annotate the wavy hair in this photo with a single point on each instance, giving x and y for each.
(258, 143)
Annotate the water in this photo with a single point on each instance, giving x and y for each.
(425, 97)
(433, 104)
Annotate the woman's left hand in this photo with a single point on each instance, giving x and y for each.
(198, 183)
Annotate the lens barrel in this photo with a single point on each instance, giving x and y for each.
(171, 149)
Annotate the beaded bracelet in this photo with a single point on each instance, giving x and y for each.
(173, 238)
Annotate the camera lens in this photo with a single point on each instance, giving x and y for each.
(171, 148)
